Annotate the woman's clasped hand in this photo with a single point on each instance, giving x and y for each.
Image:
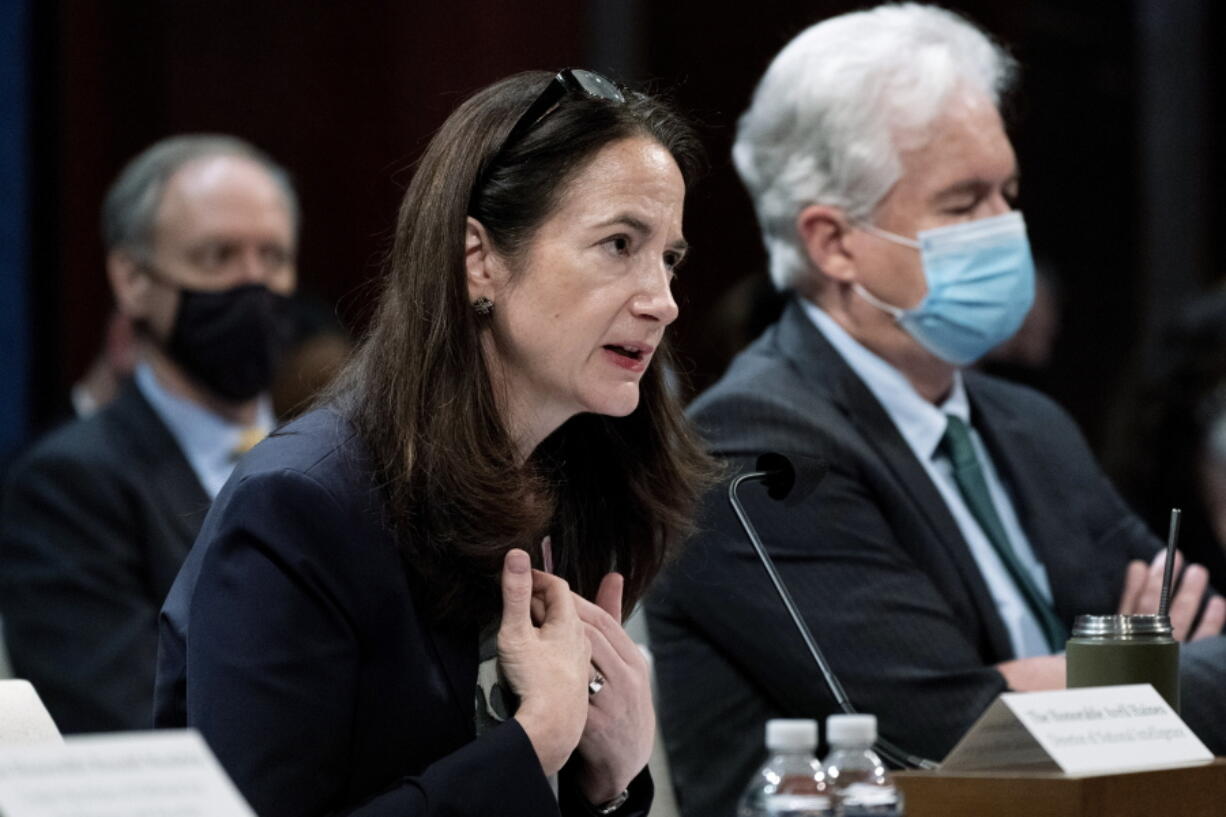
(547, 662)
(551, 643)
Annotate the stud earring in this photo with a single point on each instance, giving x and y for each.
(483, 306)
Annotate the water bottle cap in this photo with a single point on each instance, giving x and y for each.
(791, 734)
(843, 730)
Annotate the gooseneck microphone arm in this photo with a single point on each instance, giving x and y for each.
(779, 474)
(832, 682)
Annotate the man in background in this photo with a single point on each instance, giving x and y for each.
(962, 521)
(200, 235)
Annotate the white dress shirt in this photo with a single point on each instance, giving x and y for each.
(922, 425)
(209, 442)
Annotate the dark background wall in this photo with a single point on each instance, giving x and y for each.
(1120, 105)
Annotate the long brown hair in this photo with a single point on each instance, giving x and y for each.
(614, 493)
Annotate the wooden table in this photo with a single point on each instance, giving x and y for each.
(1187, 791)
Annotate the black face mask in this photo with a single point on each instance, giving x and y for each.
(231, 341)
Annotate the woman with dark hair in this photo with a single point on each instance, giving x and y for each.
(358, 629)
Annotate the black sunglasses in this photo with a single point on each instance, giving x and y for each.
(568, 81)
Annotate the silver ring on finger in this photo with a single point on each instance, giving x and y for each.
(596, 684)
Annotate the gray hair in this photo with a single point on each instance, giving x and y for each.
(130, 208)
(823, 122)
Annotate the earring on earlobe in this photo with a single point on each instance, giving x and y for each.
(483, 306)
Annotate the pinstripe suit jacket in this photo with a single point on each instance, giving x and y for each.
(877, 564)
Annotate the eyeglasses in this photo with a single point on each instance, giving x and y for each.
(567, 81)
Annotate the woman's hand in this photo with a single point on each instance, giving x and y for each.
(548, 665)
(621, 719)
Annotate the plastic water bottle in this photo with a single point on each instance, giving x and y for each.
(855, 775)
(791, 783)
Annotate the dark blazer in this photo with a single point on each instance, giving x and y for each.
(97, 518)
(876, 563)
(292, 642)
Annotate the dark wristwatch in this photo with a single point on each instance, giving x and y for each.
(610, 806)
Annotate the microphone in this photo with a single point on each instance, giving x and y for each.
(790, 484)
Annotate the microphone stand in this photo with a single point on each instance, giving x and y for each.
(889, 752)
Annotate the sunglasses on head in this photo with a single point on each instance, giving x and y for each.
(567, 82)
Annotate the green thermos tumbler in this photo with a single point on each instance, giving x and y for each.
(1109, 650)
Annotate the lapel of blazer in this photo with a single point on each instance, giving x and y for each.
(1046, 520)
(827, 373)
(456, 651)
(163, 464)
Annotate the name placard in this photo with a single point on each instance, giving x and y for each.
(1078, 731)
(168, 773)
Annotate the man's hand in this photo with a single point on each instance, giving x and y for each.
(1043, 672)
(1143, 590)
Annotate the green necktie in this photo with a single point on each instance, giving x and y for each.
(957, 445)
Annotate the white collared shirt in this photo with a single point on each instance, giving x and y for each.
(207, 441)
(922, 425)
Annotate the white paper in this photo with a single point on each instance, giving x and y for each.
(23, 718)
(1092, 730)
(168, 773)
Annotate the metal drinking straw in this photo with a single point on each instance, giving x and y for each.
(1172, 538)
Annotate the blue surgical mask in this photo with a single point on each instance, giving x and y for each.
(980, 286)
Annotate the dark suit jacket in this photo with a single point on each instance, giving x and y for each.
(876, 563)
(291, 641)
(97, 518)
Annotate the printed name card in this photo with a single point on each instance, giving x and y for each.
(1092, 730)
(168, 773)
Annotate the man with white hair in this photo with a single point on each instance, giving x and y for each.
(200, 234)
(962, 522)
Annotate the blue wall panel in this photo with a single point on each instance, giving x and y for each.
(14, 222)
